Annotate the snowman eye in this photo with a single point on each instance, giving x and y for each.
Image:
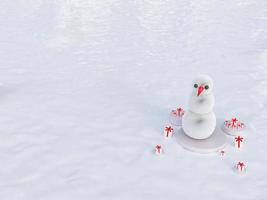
(206, 87)
(196, 86)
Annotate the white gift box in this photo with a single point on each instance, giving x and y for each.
(176, 116)
(233, 126)
(222, 152)
(240, 167)
(158, 149)
(168, 131)
(238, 142)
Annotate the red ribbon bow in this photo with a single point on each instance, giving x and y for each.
(234, 121)
(168, 130)
(180, 111)
(158, 148)
(239, 139)
(241, 165)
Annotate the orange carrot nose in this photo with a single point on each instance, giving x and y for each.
(200, 90)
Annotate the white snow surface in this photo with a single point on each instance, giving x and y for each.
(87, 87)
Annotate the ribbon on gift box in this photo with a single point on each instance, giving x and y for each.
(228, 123)
(158, 148)
(241, 125)
(174, 112)
(233, 122)
(239, 139)
(168, 130)
(179, 112)
(241, 165)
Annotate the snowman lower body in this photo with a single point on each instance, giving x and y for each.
(201, 133)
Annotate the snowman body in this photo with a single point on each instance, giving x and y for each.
(202, 104)
(199, 122)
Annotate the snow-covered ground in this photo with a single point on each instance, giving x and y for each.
(87, 86)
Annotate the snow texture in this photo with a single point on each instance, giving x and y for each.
(87, 87)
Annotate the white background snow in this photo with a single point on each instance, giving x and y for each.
(87, 86)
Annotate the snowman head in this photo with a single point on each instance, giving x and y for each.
(202, 85)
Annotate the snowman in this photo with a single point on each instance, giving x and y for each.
(199, 122)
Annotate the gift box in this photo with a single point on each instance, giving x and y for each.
(238, 142)
(240, 167)
(158, 149)
(233, 126)
(176, 116)
(168, 131)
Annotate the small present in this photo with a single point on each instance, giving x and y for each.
(158, 149)
(240, 167)
(179, 112)
(233, 126)
(168, 131)
(222, 152)
(238, 142)
(176, 116)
